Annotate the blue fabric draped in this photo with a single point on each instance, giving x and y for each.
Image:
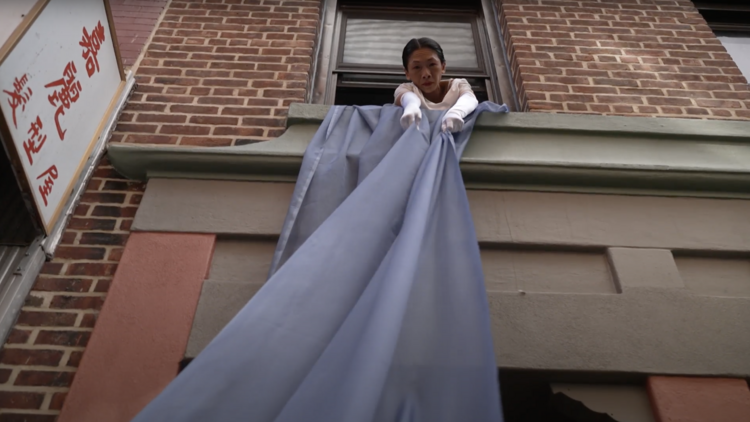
(375, 308)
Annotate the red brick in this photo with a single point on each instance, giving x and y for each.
(47, 284)
(184, 130)
(103, 238)
(77, 302)
(58, 399)
(44, 378)
(192, 109)
(30, 357)
(18, 336)
(255, 121)
(39, 319)
(547, 87)
(238, 131)
(89, 320)
(91, 269)
(63, 338)
(694, 111)
(51, 268)
(33, 301)
(20, 400)
(669, 101)
(284, 93)
(717, 103)
(619, 99)
(103, 198)
(221, 100)
(161, 118)
(81, 253)
(109, 211)
(91, 224)
(122, 185)
(214, 120)
(102, 286)
(5, 375)
(25, 417)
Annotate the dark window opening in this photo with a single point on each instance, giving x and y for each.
(16, 224)
(726, 15)
(730, 21)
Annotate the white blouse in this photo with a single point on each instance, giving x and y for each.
(457, 88)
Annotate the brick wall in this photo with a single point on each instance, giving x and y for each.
(222, 72)
(216, 73)
(43, 349)
(621, 57)
(134, 23)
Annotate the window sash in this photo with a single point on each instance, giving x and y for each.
(362, 13)
(469, 22)
(489, 43)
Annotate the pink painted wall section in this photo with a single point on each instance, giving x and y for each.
(679, 399)
(142, 331)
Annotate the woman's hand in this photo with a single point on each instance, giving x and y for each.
(452, 122)
(412, 113)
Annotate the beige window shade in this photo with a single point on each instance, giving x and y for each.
(381, 42)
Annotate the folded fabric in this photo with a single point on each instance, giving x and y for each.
(375, 308)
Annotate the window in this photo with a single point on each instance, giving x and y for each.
(730, 21)
(359, 61)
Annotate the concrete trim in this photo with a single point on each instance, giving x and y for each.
(641, 331)
(143, 329)
(568, 220)
(530, 151)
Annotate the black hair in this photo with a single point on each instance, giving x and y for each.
(415, 44)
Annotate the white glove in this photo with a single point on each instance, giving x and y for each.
(453, 120)
(412, 112)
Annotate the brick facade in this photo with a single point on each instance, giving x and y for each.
(134, 23)
(223, 72)
(220, 73)
(621, 57)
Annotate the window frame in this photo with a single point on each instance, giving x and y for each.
(492, 61)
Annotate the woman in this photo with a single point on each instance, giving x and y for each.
(424, 66)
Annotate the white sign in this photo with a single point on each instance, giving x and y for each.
(56, 87)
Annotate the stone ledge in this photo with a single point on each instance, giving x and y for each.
(530, 151)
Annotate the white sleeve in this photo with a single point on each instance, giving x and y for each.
(409, 100)
(465, 104)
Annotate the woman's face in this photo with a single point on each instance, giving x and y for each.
(425, 70)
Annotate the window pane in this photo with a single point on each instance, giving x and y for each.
(381, 42)
(739, 48)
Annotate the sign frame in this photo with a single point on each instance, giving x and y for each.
(5, 133)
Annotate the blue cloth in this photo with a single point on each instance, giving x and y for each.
(375, 309)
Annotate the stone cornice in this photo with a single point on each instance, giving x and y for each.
(536, 151)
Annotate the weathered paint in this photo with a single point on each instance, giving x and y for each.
(143, 329)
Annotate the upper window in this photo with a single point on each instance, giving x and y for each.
(360, 60)
(730, 21)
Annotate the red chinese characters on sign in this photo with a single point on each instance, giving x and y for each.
(19, 96)
(36, 140)
(49, 176)
(68, 92)
(91, 44)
